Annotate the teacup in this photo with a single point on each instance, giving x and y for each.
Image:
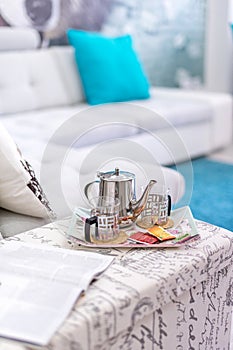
(104, 217)
(157, 209)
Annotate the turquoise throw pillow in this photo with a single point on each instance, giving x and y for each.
(109, 67)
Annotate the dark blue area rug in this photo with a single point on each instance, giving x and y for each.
(212, 194)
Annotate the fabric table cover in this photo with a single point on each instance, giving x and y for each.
(176, 298)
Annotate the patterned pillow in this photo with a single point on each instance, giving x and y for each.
(20, 191)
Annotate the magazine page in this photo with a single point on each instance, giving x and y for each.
(39, 285)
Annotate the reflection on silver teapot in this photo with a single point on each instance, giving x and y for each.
(121, 185)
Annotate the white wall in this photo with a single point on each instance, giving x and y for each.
(219, 47)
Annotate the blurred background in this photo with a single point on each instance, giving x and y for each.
(182, 43)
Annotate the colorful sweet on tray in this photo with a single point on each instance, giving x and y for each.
(157, 234)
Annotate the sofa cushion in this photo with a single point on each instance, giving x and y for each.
(65, 61)
(12, 39)
(30, 80)
(109, 67)
(19, 189)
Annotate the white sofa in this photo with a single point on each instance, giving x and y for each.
(44, 86)
(40, 96)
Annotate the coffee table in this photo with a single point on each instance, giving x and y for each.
(179, 298)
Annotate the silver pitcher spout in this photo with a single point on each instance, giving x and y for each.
(137, 206)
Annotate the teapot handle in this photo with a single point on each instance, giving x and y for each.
(88, 186)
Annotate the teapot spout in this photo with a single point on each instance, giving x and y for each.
(138, 206)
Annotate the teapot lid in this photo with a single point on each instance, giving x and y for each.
(116, 175)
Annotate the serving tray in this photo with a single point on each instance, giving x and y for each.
(184, 228)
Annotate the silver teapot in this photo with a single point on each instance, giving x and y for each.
(121, 185)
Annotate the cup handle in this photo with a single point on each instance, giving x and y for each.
(87, 227)
(169, 207)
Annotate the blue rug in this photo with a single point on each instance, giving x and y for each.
(212, 194)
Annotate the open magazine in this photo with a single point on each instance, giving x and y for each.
(182, 230)
(39, 285)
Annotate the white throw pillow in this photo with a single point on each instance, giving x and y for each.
(20, 191)
(15, 39)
